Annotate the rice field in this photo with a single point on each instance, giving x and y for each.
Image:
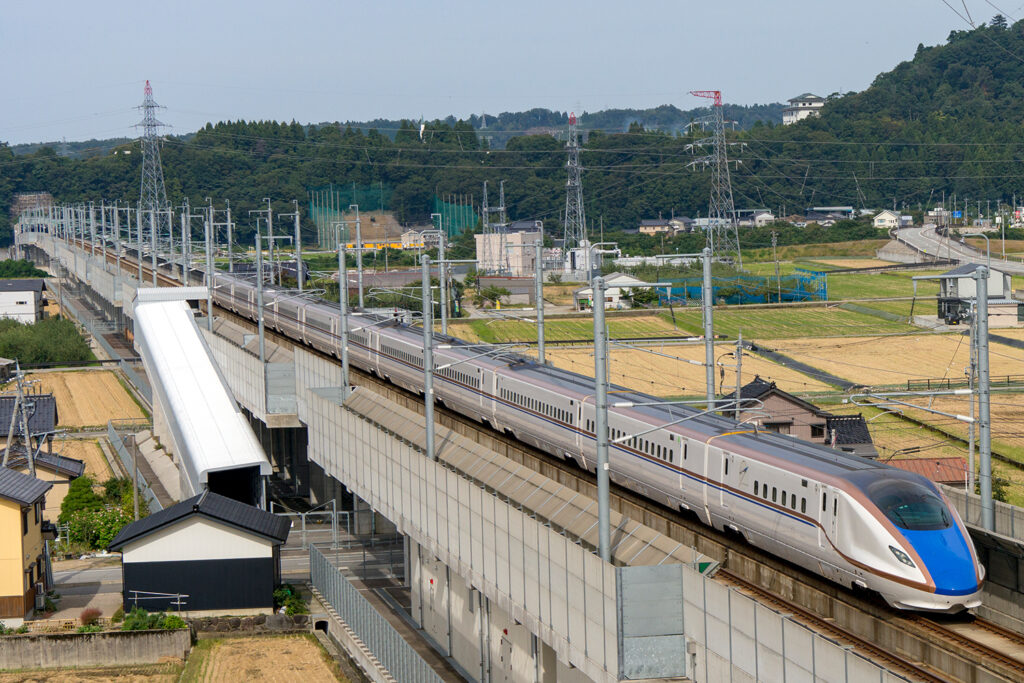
(782, 323)
(561, 329)
(669, 374)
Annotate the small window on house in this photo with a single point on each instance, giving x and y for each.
(24, 521)
(817, 431)
(35, 509)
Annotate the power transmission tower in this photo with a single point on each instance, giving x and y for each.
(495, 256)
(153, 194)
(723, 236)
(575, 235)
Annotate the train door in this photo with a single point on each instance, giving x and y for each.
(711, 455)
(829, 514)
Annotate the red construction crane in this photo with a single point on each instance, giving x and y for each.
(715, 95)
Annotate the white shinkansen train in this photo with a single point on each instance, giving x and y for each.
(859, 523)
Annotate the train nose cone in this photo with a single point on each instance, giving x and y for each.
(947, 557)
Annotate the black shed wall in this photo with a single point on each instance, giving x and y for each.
(210, 584)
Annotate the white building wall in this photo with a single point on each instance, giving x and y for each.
(198, 538)
(25, 307)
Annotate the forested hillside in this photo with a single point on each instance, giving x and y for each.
(947, 121)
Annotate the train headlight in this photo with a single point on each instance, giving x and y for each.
(902, 556)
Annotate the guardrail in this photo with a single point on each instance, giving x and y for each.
(386, 644)
(119, 446)
(956, 383)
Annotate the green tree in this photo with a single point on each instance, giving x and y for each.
(80, 497)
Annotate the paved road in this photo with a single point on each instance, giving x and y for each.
(928, 241)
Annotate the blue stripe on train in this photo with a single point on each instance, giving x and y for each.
(947, 556)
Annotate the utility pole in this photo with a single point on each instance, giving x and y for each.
(207, 229)
(138, 231)
(259, 293)
(775, 257)
(707, 292)
(300, 274)
(981, 275)
(231, 237)
(538, 284)
(270, 238)
(359, 255)
(186, 229)
(343, 310)
(972, 368)
(428, 357)
(739, 372)
(601, 417)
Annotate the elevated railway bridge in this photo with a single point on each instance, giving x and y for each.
(499, 539)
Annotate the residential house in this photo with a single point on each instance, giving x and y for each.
(951, 471)
(958, 294)
(656, 226)
(802, 107)
(220, 553)
(886, 220)
(616, 295)
(58, 470)
(22, 300)
(779, 411)
(22, 551)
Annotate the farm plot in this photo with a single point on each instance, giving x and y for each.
(263, 658)
(88, 398)
(167, 672)
(88, 451)
(782, 323)
(661, 376)
(894, 360)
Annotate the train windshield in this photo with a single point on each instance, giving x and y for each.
(910, 506)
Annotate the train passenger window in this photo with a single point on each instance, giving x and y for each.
(835, 506)
(684, 451)
(783, 499)
(756, 485)
(792, 502)
(727, 472)
(775, 492)
(803, 505)
(824, 502)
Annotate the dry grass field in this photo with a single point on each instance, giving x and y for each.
(274, 658)
(661, 376)
(895, 359)
(88, 451)
(88, 398)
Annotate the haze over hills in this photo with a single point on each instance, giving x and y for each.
(947, 121)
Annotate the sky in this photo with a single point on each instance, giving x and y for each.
(76, 70)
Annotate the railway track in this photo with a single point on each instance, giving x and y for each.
(918, 647)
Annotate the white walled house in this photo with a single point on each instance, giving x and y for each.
(802, 107)
(886, 219)
(22, 300)
(616, 295)
(221, 553)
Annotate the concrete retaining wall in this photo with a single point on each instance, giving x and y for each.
(258, 623)
(110, 648)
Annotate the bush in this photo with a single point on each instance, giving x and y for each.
(97, 528)
(91, 628)
(288, 597)
(20, 268)
(141, 620)
(89, 616)
(49, 341)
(118, 616)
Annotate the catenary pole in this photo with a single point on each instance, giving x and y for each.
(343, 310)
(259, 294)
(739, 373)
(428, 357)
(709, 331)
(299, 273)
(538, 272)
(597, 288)
(981, 276)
